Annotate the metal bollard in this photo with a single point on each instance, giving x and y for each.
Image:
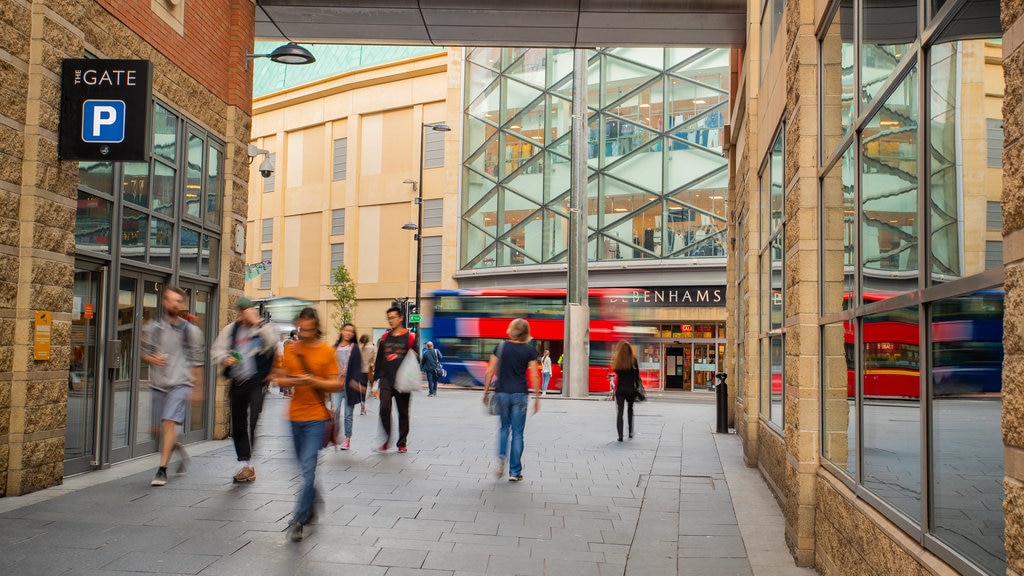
(722, 404)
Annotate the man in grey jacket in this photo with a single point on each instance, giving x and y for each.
(173, 348)
(246, 349)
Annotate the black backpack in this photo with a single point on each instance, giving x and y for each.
(264, 360)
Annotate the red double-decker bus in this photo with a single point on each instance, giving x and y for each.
(468, 324)
(966, 341)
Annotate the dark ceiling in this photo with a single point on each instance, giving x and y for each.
(548, 23)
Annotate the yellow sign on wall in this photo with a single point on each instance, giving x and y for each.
(41, 340)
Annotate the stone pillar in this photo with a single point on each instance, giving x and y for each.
(37, 249)
(1013, 258)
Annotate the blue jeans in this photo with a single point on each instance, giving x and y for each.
(512, 412)
(546, 377)
(308, 437)
(337, 398)
(431, 382)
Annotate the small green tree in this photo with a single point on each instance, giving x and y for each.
(344, 290)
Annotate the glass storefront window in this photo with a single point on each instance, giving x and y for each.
(209, 265)
(214, 187)
(889, 29)
(96, 176)
(165, 134)
(892, 408)
(92, 223)
(966, 407)
(134, 230)
(837, 67)
(194, 179)
(188, 254)
(776, 380)
(135, 183)
(839, 438)
(956, 191)
(518, 147)
(889, 195)
(162, 198)
(837, 202)
(161, 233)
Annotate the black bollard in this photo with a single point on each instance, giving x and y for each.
(722, 404)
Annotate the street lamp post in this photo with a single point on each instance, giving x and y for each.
(417, 187)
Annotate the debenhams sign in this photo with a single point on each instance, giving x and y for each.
(673, 296)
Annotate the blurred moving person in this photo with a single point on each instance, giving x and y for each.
(627, 373)
(545, 372)
(350, 362)
(174, 348)
(391, 350)
(369, 354)
(309, 369)
(246, 349)
(514, 363)
(431, 367)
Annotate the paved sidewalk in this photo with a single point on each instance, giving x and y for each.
(677, 499)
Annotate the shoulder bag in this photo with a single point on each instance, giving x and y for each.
(641, 394)
(407, 379)
(492, 402)
(330, 430)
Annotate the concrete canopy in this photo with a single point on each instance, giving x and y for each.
(547, 23)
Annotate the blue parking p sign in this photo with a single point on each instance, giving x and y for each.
(103, 121)
(106, 110)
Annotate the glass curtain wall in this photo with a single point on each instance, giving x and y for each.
(911, 308)
(657, 177)
(148, 222)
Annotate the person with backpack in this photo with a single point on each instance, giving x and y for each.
(246, 349)
(174, 349)
(431, 367)
(394, 345)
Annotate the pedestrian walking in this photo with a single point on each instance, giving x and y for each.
(174, 349)
(309, 369)
(514, 364)
(350, 362)
(431, 367)
(369, 354)
(545, 372)
(246, 349)
(627, 374)
(391, 350)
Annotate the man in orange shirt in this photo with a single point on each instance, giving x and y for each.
(309, 368)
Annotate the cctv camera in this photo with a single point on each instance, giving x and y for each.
(267, 167)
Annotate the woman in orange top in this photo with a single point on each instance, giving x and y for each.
(310, 369)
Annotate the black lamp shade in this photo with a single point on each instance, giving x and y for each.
(292, 53)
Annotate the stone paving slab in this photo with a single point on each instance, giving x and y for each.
(676, 499)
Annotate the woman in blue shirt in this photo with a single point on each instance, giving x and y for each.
(514, 362)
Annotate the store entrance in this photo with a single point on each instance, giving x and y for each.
(85, 373)
(677, 367)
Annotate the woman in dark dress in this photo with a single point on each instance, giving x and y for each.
(627, 373)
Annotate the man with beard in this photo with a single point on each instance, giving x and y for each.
(173, 347)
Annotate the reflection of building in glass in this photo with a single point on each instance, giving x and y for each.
(899, 282)
(655, 140)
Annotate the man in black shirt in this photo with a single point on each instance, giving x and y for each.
(391, 350)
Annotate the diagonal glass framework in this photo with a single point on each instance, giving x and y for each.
(657, 179)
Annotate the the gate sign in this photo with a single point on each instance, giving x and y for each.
(105, 109)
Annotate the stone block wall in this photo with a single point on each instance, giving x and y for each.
(208, 82)
(1013, 259)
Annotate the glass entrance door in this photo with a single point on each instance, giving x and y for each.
(704, 366)
(132, 435)
(199, 307)
(85, 375)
